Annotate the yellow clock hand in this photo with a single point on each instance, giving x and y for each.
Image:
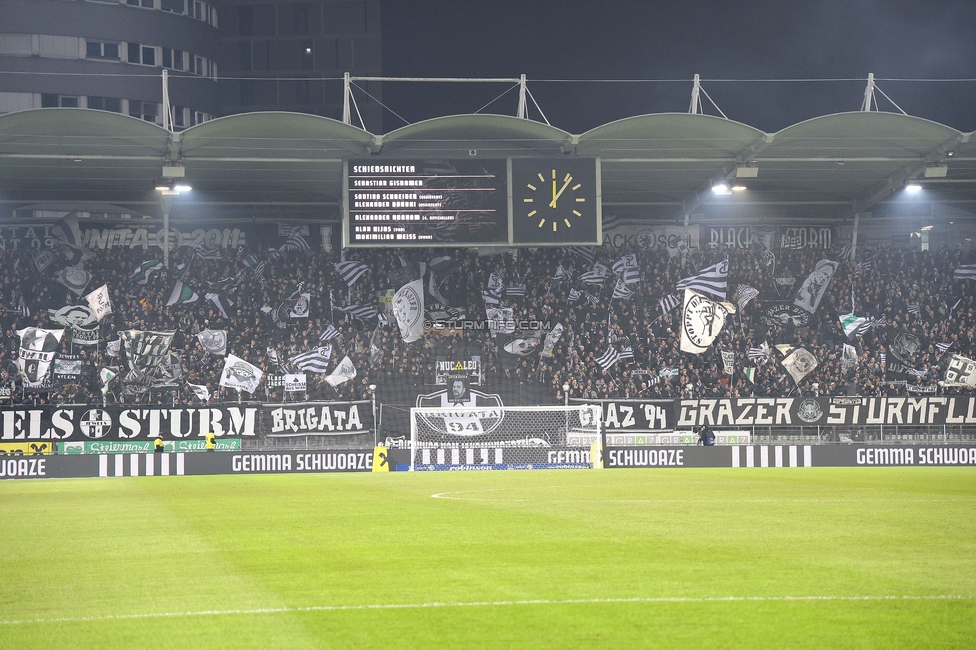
(569, 179)
(553, 192)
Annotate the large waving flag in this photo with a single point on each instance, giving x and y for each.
(713, 280)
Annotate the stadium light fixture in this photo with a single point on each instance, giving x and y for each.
(721, 188)
(748, 170)
(913, 188)
(738, 188)
(927, 227)
(172, 188)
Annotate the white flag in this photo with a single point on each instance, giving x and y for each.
(701, 321)
(213, 341)
(343, 373)
(799, 363)
(238, 373)
(202, 393)
(813, 288)
(728, 360)
(99, 302)
(961, 372)
(408, 305)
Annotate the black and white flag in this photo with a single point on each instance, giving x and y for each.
(701, 321)
(667, 303)
(608, 358)
(351, 271)
(621, 291)
(360, 312)
(799, 363)
(627, 270)
(743, 294)
(213, 341)
(75, 279)
(587, 253)
(37, 349)
(965, 272)
(713, 280)
(344, 372)
(238, 373)
(593, 300)
(201, 391)
(328, 334)
(574, 295)
(943, 347)
(596, 275)
(221, 302)
(315, 360)
(100, 302)
(960, 372)
(408, 306)
(812, 290)
(728, 361)
(145, 352)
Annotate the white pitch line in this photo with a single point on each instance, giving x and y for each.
(717, 501)
(494, 603)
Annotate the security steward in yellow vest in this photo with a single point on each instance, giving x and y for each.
(158, 445)
(211, 441)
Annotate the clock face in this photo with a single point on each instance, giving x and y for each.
(554, 201)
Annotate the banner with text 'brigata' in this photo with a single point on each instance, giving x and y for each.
(807, 411)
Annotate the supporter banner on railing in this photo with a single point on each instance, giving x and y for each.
(670, 238)
(317, 418)
(807, 411)
(184, 427)
(144, 446)
(63, 423)
(623, 415)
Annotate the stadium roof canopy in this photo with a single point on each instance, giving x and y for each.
(657, 168)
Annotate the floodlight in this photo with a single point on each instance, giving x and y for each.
(720, 188)
(913, 188)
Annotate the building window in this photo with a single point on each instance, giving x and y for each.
(173, 6)
(172, 59)
(178, 119)
(99, 50)
(302, 92)
(105, 104)
(134, 53)
(148, 55)
(148, 4)
(198, 65)
(301, 18)
(142, 110)
(245, 20)
(244, 55)
(199, 117)
(55, 101)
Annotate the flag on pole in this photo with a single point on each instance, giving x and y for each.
(965, 272)
(750, 374)
(702, 321)
(713, 280)
(667, 303)
(328, 334)
(621, 291)
(351, 271)
(608, 358)
(315, 360)
(180, 294)
(238, 373)
(201, 391)
(344, 372)
(146, 269)
(99, 302)
(853, 325)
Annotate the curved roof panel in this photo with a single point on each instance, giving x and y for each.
(274, 135)
(668, 135)
(80, 132)
(494, 136)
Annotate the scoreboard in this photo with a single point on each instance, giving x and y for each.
(471, 202)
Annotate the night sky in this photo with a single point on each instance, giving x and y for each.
(552, 42)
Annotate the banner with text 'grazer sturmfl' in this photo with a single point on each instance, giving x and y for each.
(807, 411)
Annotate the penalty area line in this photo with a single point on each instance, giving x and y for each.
(486, 603)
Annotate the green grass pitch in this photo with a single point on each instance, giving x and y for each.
(744, 558)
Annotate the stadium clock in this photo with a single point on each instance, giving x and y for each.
(555, 201)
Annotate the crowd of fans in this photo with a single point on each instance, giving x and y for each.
(903, 290)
